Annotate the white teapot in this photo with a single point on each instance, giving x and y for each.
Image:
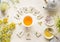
(51, 5)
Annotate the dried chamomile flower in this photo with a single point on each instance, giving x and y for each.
(0, 34)
(6, 40)
(5, 29)
(3, 40)
(4, 35)
(9, 35)
(1, 22)
(12, 26)
(4, 6)
(5, 20)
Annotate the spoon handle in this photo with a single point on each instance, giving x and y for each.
(56, 37)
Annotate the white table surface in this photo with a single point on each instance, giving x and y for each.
(38, 4)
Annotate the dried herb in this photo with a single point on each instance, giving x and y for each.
(58, 23)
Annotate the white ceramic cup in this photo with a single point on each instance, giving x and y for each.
(23, 20)
(48, 37)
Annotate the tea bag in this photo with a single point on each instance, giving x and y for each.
(28, 36)
(28, 33)
(20, 34)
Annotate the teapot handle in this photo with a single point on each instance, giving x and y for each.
(45, 1)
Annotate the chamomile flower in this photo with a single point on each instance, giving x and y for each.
(9, 35)
(12, 26)
(5, 20)
(5, 29)
(4, 35)
(1, 22)
(0, 34)
(6, 40)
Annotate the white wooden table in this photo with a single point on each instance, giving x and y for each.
(38, 4)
